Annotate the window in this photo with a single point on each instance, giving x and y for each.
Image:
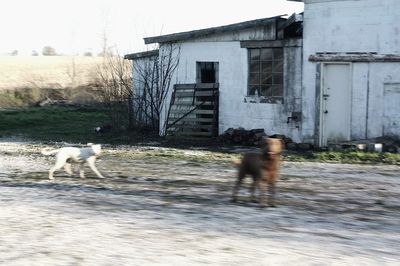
(266, 72)
(207, 72)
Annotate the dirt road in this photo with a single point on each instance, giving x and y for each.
(174, 212)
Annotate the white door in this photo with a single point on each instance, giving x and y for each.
(335, 104)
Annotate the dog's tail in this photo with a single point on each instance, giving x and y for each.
(45, 151)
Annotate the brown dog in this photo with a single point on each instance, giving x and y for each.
(264, 168)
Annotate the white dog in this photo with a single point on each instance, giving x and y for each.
(67, 155)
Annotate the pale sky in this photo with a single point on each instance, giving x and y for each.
(76, 26)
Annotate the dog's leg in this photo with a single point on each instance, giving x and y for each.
(81, 171)
(253, 187)
(60, 162)
(263, 193)
(237, 185)
(271, 192)
(272, 188)
(51, 173)
(92, 166)
(67, 168)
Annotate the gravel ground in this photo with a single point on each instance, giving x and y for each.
(175, 212)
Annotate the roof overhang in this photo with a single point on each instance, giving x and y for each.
(290, 20)
(353, 57)
(317, 1)
(175, 37)
(141, 55)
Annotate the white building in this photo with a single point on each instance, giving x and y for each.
(331, 74)
(256, 66)
(351, 70)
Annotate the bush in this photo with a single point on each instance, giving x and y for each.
(48, 51)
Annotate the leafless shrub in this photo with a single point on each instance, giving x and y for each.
(114, 78)
(151, 85)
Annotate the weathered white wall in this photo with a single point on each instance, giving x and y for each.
(233, 74)
(382, 75)
(346, 27)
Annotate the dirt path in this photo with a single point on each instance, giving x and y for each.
(176, 212)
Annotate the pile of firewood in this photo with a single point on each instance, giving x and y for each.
(241, 136)
(253, 137)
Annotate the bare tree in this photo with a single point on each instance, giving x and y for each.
(72, 71)
(152, 84)
(114, 76)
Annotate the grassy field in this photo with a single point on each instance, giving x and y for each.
(53, 124)
(26, 80)
(46, 71)
(350, 157)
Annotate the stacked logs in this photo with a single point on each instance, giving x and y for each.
(241, 136)
(253, 137)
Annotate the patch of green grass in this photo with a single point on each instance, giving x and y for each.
(345, 157)
(52, 123)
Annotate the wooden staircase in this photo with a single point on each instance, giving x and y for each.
(194, 110)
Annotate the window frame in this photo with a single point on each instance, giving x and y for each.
(277, 58)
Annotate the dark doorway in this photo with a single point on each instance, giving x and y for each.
(207, 72)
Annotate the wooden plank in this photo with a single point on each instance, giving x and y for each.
(204, 134)
(179, 112)
(183, 108)
(197, 119)
(196, 86)
(182, 120)
(199, 112)
(192, 127)
(198, 93)
(189, 106)
(190, 102)
(203, 112)
(186, 122)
